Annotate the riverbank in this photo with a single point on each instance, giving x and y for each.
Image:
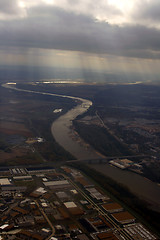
(63, 134)
(142, 187)
(119, 193)
(62, 130)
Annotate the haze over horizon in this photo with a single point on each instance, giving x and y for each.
(103, 39)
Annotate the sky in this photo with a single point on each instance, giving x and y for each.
(112, 36)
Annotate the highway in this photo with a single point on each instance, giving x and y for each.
(120, 230)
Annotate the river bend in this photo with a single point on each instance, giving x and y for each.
(62, 128)
(64, 134)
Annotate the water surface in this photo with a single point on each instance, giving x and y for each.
(137, 184)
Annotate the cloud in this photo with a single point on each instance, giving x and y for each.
(8, 7)
(46, 26)
(101, 10)
(147, 12)
(113, 11)
(53, 28)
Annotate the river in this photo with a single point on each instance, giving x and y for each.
(65, 136)
(61, 128)
(137, 184)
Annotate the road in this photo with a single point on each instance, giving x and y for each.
(120, 230)
(111, 133)
(47, 219)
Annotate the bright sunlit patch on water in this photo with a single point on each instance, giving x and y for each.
(66, 82)
(62, 81)
(131, 83)
(12, 83)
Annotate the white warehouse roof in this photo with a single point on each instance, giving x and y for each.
(4, 181)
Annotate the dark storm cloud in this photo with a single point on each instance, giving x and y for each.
(54, 28)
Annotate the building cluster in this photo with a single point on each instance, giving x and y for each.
(46, 203)
(127, 164)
